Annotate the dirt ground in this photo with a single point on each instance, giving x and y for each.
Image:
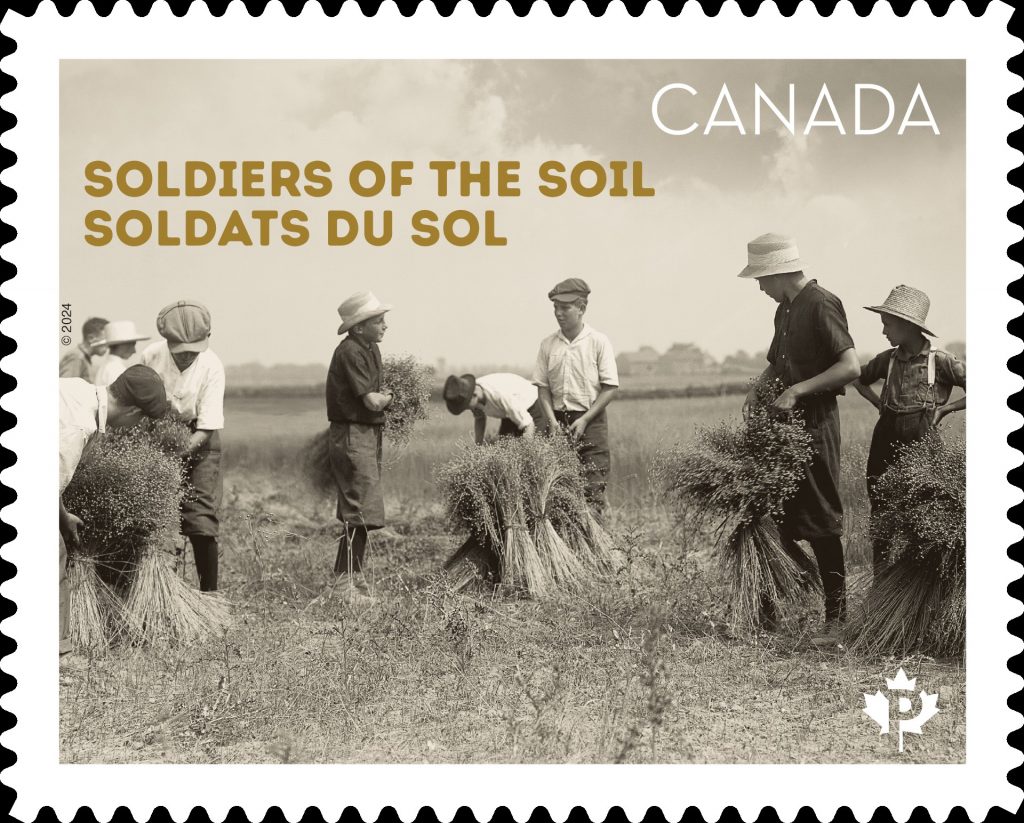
(640, 668)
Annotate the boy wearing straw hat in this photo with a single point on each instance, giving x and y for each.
(812, 354)
(915, 395)
(576, 378)
(84, 410)
(506, 397)
(194, 378)
(121, 338)
(355, 408)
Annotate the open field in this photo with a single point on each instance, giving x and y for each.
(641, 668)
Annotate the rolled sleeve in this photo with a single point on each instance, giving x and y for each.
(540, 368)
(875, 369)
(952, 370)
(832, 331)
(359, 373)
(210, 402)
(607, 370)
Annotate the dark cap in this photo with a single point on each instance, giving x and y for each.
(569, 290)
(185, 325)
(142, 387)
(458, 391)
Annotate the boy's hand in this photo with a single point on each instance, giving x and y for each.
(577, 428)
(69, 526)
(786, 401)
(940, 413)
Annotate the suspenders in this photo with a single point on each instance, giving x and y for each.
(931, 381)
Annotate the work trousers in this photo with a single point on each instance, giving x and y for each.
(593, 453)
(509, 428)
(893, 430)
(828, 552)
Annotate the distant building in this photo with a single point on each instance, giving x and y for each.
(686, 358)
(680, 359)
(636, 363)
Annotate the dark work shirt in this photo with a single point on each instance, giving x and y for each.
(907, 388)
(810, 335)
(355, 371)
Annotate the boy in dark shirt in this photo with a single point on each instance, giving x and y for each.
(812, 354)
(355, 408)
(915, 396)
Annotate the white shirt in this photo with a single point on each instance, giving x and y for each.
(113, 367)
(83, 411)
(196, 394)
(574, 370)
(508, 396)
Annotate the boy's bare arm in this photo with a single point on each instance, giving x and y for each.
(548, 405)
(479, 428)
(377, 401)
(949, 408)
(868, 393)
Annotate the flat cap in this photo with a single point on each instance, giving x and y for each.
(569, 290)
(185, 325)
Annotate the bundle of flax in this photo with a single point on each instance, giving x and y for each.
(735, 479)
(918, 604)
(410, 382)
(127, 489)
(525, 499)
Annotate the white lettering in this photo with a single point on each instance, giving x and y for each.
(657, 100)
(759, 96)
(824, 97)
(930, 122)
(724, 95)
(857, 90)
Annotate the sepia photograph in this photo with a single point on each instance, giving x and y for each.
(512, 411)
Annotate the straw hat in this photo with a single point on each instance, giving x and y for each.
(907, 303)
(772, 254)
(359, 307)
(122, 331)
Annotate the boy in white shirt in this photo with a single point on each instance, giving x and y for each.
(577, 378)
(506, 397)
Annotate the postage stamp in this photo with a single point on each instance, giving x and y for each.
(526, 412)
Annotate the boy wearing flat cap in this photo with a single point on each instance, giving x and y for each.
(355, 409)
(506, 397)
(576, 379)
(84, 410)
(194, 378)
(915, 395)
(812, 354)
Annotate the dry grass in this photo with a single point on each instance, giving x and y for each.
(162, 607)
(638, 669)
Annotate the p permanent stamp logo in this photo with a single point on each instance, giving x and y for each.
(879, 706)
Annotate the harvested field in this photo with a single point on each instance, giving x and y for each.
(642, 669)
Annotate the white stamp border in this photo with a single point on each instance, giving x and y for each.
(978, 785)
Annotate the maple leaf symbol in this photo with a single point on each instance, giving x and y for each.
(876, 706)
(929, 708)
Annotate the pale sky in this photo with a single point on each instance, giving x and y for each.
(868, 212)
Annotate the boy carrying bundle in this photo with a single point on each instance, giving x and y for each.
(576, 378)
(355, 408)
(915, 395)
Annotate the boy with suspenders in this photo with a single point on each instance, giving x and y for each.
(915, 396)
